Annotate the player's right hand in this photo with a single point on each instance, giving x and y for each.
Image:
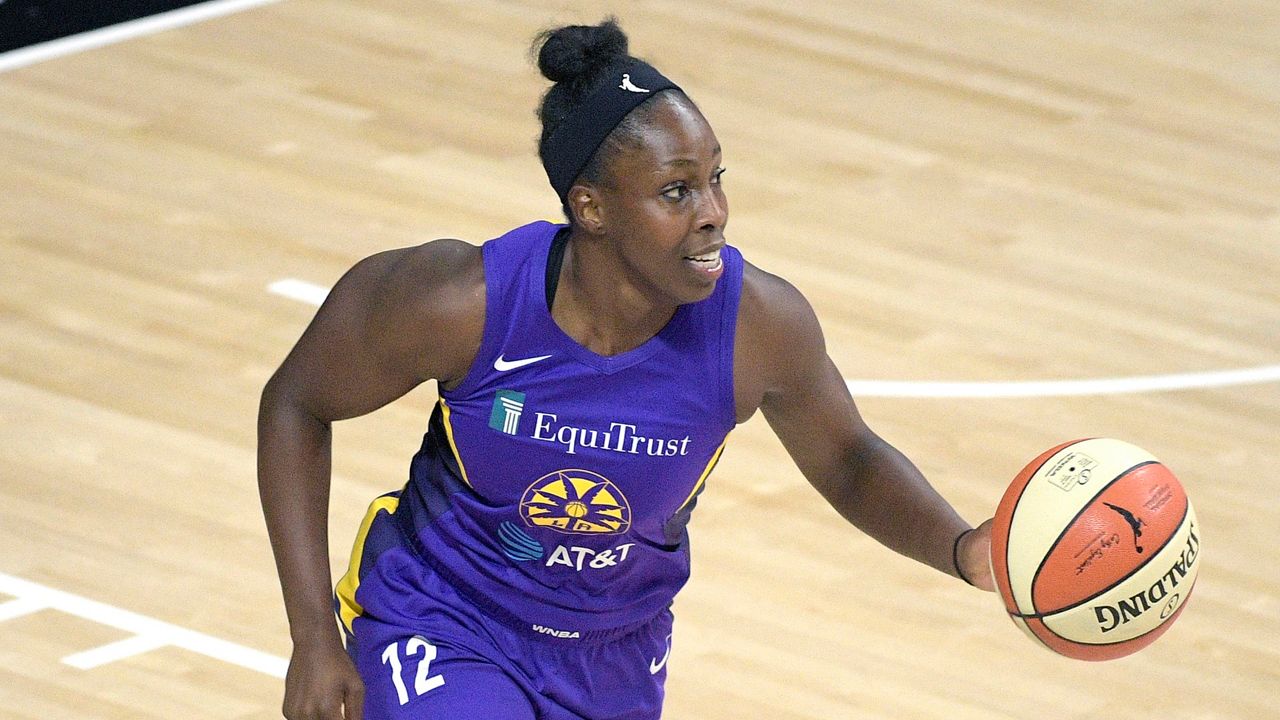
(322, 684)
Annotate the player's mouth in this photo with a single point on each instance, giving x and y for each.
(709, 262)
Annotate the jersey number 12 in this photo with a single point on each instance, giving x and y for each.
(422, 682)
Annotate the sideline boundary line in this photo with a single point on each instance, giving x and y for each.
(314, 294)
(127, 30)
(1064, 388)
(146, 633)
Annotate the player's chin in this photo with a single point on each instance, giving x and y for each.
(696, 286)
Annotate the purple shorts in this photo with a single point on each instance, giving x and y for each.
(426, 652)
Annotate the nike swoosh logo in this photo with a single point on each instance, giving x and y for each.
(503, 365)
(656, 665)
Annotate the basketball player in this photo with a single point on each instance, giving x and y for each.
(589, 374)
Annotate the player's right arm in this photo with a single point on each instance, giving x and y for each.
(395, 320)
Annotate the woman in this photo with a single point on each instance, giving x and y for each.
(589, 374)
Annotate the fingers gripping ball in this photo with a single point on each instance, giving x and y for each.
(1095, 548)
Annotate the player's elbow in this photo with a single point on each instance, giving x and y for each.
(281, 403)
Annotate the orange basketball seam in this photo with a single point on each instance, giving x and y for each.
(1066, 527)
(1119, 581)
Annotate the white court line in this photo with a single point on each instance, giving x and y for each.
(148, 633)
(124, 31)
(20, 606)
(1063, 388)
(112, 652)
(315, 294)
(300, 290)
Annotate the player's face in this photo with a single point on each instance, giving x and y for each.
(665, 207)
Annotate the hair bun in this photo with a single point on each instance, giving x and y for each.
(570, 52)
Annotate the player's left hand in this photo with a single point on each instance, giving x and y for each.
(974, 557)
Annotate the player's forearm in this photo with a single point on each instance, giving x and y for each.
(294, 451)
(881, 492)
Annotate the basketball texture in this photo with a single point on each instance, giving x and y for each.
(1095, 548)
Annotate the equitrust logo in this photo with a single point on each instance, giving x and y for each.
(507, 408)
(612, 436)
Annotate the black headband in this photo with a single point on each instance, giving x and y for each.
(570, 146)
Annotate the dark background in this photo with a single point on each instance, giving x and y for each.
(27, 22)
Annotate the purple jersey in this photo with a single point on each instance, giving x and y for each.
(554, 484)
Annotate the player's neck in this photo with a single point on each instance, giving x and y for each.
(602, 314)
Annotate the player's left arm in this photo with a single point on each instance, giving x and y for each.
(807, 404)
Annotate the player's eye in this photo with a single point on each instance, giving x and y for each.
(676, 191)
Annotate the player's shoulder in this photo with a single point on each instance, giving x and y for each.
(425, 303)
(771, 307)
(777, 338)
(438, 276)
(436, 266)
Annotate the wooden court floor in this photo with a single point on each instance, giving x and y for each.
(1001, 192)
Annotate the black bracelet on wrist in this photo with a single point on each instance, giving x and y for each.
(955, 556)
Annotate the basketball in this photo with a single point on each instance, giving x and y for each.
(1095, 548)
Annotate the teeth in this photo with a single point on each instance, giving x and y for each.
(712, 256)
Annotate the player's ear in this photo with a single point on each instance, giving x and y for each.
(584, 203)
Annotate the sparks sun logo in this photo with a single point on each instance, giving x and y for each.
(576, 502)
